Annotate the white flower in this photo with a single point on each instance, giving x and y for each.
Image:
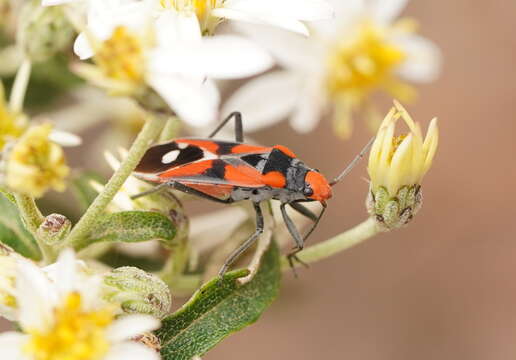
(364, 51)
(287, 14)
(65, 318)
(132, 51)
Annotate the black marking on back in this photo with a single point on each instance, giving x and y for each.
(254, 159)
(278, 161)
(152, 161)
(225, 147)
(217, 170)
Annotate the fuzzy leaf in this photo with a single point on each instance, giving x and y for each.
(13, 232)
(132, 226)
(220, 308)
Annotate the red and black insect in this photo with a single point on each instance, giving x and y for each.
(226, 172)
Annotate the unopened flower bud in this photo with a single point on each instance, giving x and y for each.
(43, 31)
(138, 292)
(396, 167)
(54, 229)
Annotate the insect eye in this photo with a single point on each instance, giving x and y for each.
(308, 190)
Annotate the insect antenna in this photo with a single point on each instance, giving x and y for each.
(353, 163)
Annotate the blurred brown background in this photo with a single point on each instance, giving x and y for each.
(445, 287)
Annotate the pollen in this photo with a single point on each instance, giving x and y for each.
(121, 57)
(364, 63)
(75, 334)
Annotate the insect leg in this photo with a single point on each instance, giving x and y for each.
(303, 210)
(316, 222)
(151, 191)
(246, 244)
(298, 239)
(239, 130)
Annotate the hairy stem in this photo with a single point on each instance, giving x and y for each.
(32, 218)
(20, 86)
(145, 138)
(341, 242)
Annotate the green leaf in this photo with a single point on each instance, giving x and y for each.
(13, 232)
(220, 308)
(130, 227)
(82, 189)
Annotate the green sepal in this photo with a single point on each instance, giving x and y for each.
(219, 308)
(13, 233)
(131, 227)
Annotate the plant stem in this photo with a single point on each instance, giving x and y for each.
(20, 86)
(170, 130)
(144, 139)
(32, 219)
(344, 241)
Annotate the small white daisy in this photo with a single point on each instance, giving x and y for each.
(364, 51)
(133, 51)
(66, 318)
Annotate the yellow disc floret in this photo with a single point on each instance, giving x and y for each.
(75, 334)
(11, 125)
(121, 57)
(363, 63)
(35, 164)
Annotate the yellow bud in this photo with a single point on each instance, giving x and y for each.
(397, 165)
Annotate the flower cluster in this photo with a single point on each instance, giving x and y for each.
(95, 281)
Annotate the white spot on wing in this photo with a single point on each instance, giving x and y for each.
(169, 157)
(181, 145)
(209, 156)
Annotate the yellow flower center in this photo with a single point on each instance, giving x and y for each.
(36, 164)
(75, 335)
(121, 57)
(201, 8)
(365, 63)
(11, 126)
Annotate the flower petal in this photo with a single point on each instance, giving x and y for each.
(284, 23)
(55, 2)
(36, 296)
(265, 100)
(130, 326)
(82, 47)
(289, 49)
(308, 10)
(424, 59)
(194, 101)
(173, 28)
(131, 351)
(309, 109)
(11, 346)
(231, 57)
(64, 138)
(385, 11)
